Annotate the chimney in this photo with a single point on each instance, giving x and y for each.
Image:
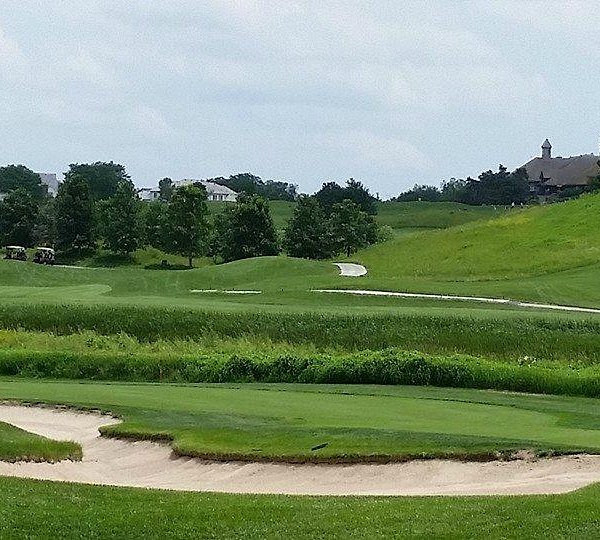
(546, 150)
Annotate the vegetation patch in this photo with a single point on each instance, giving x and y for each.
(19, 445)
(573, 340)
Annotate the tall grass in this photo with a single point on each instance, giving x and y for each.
(391, 367)
(575, 341)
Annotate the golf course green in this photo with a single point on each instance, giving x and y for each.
(291, 375)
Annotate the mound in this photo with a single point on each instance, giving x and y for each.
(529, 242)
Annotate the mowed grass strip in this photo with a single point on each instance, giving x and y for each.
(348, 423)
(32, 509)
(19, 445)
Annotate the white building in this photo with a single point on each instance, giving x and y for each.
(51, 182)
(149, 194)
(216, 192)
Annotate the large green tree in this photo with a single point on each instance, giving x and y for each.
(186, 222)
(307, 234)
(18, 213)
(332, 193)
(245, 230)
(351, 227)
(74, 215)
(153, 224)
(165, 187)
(14, 177)
(102, 178)
(121, 227)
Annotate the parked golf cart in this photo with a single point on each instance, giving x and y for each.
(44, 255)
(15, 253)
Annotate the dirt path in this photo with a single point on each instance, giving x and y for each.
(483, 299)
(144, 464)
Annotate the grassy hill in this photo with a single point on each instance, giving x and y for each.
(399, 215)
(533, 242)
(432, 215)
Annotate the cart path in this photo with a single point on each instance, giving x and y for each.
(351, 269)
(483, 299)
(150, 465)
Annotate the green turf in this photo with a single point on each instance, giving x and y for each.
(533, 242)
(285, 422)
(33, 509)
(432, 215)
(19, 445)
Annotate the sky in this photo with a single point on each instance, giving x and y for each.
(390, 93)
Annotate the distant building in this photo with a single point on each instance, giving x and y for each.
(216, 192)
(548, 175)
(51, 182)
(149, 194)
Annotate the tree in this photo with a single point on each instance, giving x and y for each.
(17, 218)
(186, 221)
(165, 187)
(245, 230)
(74, 215)
(44, 229)
(102, 178)
(419, 193)
(351, 227)
(152, 219)
(307, 234)
(332, 193)
(121, 227)
(357, 192)
(14, 177)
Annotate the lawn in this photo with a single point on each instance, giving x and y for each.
(31, 508)
(287, 422)
(19, 445)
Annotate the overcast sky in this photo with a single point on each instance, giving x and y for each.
(391, 93)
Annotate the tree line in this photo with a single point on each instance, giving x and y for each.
(491, 188)
(97, 205)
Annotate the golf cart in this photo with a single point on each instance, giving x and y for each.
(44, 255)
(16, 253)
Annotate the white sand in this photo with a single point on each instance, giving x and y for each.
(144, 464)
(351, 269)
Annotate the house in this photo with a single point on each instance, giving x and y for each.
(548, 175)
(51, 182)
(147, 194)
(216, 192)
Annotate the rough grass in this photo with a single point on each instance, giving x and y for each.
(34, 509)
(92, 356)
(354, 423)
(490, 334)
(19, 445)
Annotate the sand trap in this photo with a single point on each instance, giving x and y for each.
(150, 465)
(351, 269)
(482, 299)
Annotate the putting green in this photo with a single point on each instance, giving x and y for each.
(287, 421)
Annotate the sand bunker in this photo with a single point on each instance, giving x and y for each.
(150, 465)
